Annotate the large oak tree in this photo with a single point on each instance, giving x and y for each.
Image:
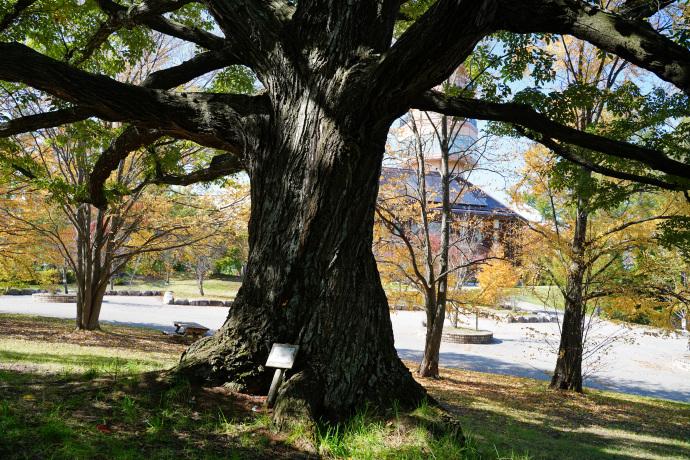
(312, 142)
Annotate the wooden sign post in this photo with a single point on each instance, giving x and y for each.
(282, 357)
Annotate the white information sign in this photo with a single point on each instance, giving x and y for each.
(282, 355)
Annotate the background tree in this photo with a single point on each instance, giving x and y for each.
(592, 92)
(602, 250)
(218, 232)
(312, 143)
(419, 241)
(95, 243)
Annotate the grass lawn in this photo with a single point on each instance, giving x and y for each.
(216, 287)
(67, 394)
(549, 296)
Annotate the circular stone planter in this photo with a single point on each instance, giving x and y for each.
(54, 298)
(460, 335)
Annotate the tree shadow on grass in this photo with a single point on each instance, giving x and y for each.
(150, 416)
(63, 331)
(522, 416)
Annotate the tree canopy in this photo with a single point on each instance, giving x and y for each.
(62, 48)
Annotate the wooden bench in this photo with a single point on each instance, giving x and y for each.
(187, 329)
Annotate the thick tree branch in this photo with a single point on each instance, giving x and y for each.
(570, 154)
(524, 115)
(346, 30)
(252, 27)
(633, 40)
(144, 9)
(221, 166)
(42, 120)
(147, 13)
(195, 67)
(213, 120)
(130, 140)
(191, 34)
(641, 9)
(162, 79)
(420, 60)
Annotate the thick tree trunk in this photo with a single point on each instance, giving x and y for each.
(568, 372)
(311, 279)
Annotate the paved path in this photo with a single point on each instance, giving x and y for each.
(643, 366)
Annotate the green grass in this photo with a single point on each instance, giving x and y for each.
(73, 395)
(184, 287)
(549, 296)
(522, 416)
(217, 287)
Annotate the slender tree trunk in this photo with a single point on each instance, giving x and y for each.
(316, 285)
(64, 279)
(200, 283)
(437, 311)
(436, 314)
(568, 372)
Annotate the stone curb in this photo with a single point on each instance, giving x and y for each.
(134, 293)
(169, 299)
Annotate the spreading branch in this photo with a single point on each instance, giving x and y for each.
(632, 39)
(221, 165)
(146, 13)
(524, 115)
(641, 9)
(212, 120)
(163, 79)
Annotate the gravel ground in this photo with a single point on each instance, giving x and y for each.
(636, 362)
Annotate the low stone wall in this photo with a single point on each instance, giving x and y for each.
(407, 308)
(475, 337)
(12, 291)
(531, 319)
(133, 293)
(202, 302)
(47, 297)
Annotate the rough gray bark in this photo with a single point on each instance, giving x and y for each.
(317, 286)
